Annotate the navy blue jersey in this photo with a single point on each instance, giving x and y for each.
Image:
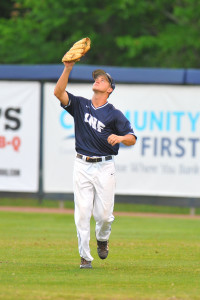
(94, 125)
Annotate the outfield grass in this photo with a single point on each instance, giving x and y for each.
(149, 259)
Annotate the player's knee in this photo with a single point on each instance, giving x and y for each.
(106, 219)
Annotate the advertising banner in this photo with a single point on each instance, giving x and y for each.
(19, 136)
(165, 160)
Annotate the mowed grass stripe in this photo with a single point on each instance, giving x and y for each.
(149, 259)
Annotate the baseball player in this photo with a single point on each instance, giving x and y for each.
(99, 129)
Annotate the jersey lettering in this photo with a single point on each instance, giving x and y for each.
(94, 123)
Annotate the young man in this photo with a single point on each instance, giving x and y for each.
(99, 129)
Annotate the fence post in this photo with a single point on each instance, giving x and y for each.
(40, 192)
(192, 207)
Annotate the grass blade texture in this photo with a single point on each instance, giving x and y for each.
(149, 258)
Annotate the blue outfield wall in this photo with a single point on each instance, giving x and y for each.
(84, 73)
(121, 75)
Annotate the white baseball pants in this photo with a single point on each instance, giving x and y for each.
(94, 185)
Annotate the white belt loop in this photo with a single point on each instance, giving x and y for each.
(83, 157)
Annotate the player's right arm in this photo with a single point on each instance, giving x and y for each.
(62, 82)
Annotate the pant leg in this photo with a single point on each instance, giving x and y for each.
(104, 184)
(83, 198)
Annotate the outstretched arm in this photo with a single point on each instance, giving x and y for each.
(60, 87)
(128, 139)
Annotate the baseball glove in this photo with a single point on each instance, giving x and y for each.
(77, 50)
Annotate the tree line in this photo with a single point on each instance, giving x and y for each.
(129, 33)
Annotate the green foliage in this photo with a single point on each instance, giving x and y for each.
(143, 33)
(6, 8)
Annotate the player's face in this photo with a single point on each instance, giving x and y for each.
(102, 84)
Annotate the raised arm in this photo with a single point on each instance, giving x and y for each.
(62, 82)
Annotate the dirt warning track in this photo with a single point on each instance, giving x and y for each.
(71, 211)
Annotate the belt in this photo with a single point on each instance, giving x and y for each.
(94, 159)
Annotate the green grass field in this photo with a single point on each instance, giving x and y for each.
(149, 259)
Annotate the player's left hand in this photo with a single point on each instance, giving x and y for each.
(114, 139)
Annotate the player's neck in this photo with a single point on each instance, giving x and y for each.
(99, 99)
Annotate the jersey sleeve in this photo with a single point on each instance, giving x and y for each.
(73, 101)
(122, 124)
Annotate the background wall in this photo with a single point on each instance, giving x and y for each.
(162, 105)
